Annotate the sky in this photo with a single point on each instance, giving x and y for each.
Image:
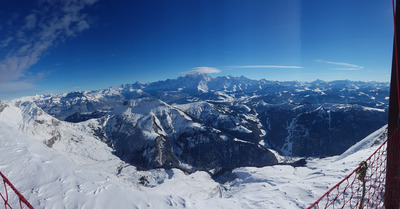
(49, 46)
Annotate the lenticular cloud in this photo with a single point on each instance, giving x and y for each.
(203, 70)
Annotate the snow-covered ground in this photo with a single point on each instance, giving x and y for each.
(52, 178)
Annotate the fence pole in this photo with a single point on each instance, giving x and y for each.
(392, 198)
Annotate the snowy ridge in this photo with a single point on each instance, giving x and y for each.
(376, 137)
(66, 138)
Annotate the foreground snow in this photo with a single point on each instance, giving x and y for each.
(52, 179)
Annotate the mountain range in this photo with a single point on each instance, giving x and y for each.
(197, 122)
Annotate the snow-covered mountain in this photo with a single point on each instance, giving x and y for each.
(197, 122)
(91, 177)
(295, 118)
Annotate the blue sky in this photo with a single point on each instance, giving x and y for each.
(49, 46)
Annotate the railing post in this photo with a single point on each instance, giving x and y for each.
(392, 195)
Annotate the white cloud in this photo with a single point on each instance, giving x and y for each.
(216, 70)
(347, 69)
(264, 67)
(203, 70)
(347, 66)
(9, 89)
(82, 25)
(30, 21)
(7, 41)
(41, 31)
(15, 86)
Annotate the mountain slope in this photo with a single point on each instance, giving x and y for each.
(51, 180)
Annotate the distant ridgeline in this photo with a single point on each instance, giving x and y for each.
(200, 122)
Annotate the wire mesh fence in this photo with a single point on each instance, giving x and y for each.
(11, 196)
(364, 187)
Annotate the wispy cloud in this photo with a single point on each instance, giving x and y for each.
(347, 68)
(7, 41)
(261, 67)
(9, 89)
(15, 86)
(344, 65)
(203, 70)
(31, 21)
(264, 67)
(47, 25)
